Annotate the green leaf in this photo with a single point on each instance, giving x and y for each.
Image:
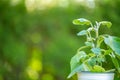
(98, 68)
(75, 70)
(106, 23)
(88, 43)
(92, 61)
(115, 61)
(90, 29)
(80, 55)
(81, 33)
(113, 43)
(75, 62)
(97, 51)
(82, 67)
(86, 66)
(100, 59)
(81, 21)
(107, 52)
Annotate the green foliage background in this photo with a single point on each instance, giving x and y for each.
(38, 45)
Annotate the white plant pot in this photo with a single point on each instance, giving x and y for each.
(95, 76)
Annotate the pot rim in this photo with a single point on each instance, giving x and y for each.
(96, 72)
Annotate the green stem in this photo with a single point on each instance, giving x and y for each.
(97, 34)
(82, 48)
(91, 25)
(93, 45)
(97, 29)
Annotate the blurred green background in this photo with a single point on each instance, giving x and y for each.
(38, 39)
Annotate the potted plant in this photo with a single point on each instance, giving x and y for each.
(98, 59)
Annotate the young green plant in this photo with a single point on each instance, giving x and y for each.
(93, 60)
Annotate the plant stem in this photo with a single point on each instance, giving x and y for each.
(82, 48)
(91, 39)
(97, 29)
(97, 34)
(91, 25)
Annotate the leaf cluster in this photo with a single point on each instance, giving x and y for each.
(93, 61)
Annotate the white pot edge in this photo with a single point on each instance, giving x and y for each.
(95, 76)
